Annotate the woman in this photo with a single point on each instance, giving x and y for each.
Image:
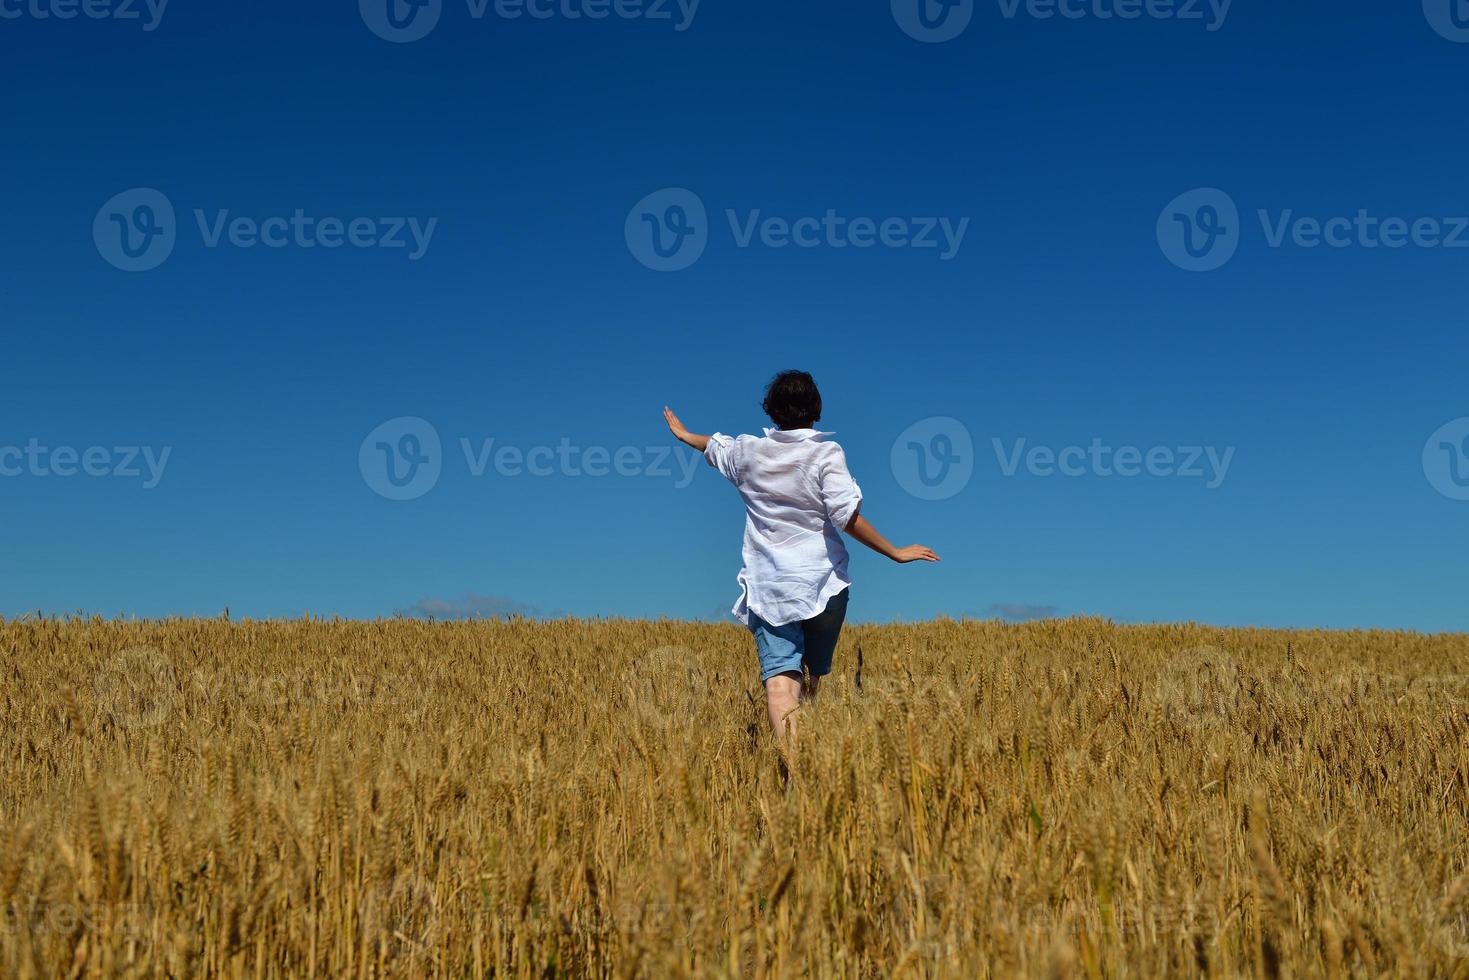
(794, 584)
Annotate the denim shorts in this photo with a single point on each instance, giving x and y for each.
(808, 643)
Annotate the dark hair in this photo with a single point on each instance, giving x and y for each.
(792, 401)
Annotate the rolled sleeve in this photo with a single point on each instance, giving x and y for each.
(721, 454)
(839, 492)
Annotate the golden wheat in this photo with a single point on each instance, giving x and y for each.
(363, 799)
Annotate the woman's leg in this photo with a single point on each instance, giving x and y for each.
(782, 698)
(781, 649)
(820, 634)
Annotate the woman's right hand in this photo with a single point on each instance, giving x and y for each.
(914, 552)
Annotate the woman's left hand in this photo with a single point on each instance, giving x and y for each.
(674, 425)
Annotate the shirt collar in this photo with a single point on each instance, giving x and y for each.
(796, 435)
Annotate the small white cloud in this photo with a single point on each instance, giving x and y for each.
(1019, 612)
(475, 606)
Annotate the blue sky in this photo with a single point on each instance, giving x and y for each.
(535, 156)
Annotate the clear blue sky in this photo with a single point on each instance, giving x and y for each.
(530, 319)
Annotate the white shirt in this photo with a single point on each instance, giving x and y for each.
(798, 497)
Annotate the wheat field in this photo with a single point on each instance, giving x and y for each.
(204, 798)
